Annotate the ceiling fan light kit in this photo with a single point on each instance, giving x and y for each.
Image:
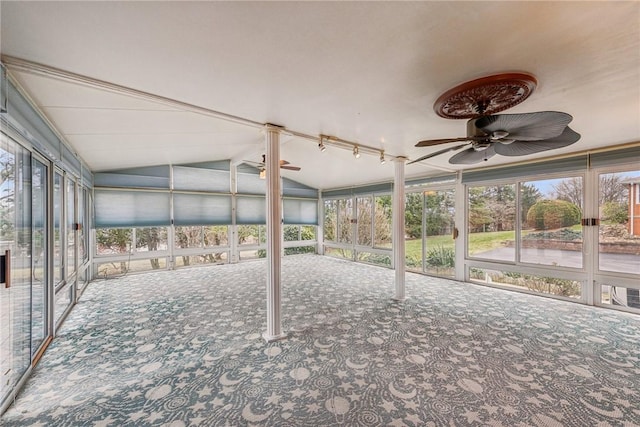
(488, 133)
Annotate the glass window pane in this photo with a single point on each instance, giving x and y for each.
(57, 228)
(621, 296)
(308, 232)
(345, 215)
(551, 214)
(382, 221)
(216, 235)
(330, 227)
(110, 241)
(291, 233)
(364, 209)
(491, 222)
(619, 230)
(151, 239)
(188, 237)
(339, 253)
(191, 260)
(413, 231)
(540, 284)
(439, 208)
(248, 235)
(70, 221)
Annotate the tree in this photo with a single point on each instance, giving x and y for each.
(116, 240)
(570, 190)
(529, 195)
(610, 188)
(413, 215)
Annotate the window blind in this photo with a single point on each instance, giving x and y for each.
(198, 179)
(568, 164)
(300, 211)
(251, 210)
(126, 208)
(201, 209)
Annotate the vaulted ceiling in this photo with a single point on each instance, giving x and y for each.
(139, 83)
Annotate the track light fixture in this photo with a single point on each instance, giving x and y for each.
(321, 145)
(382, 160)
(356, 152)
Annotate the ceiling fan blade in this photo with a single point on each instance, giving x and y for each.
(283, 162)
(437, 153)
(522, 148)
(471, 156)
(431, 142)
(291, 168)
(252, 163)
(528, 126)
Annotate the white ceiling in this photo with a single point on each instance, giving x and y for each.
(360, 71)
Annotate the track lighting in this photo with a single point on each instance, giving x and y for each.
(321, 145)
(356, 152)
(382, 160)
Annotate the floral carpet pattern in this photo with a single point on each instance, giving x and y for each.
(184, 348)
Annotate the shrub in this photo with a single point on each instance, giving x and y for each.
(439, 256)
(549, 214)
(616, 213)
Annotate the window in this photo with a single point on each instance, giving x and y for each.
(345, 215)
(491, 222)
(550, 222)
(330, 220)
(382, 217)
(619, 230)
(541, 284)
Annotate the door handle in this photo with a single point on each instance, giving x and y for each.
(5, 269)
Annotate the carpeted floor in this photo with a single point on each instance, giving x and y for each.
(183, 348)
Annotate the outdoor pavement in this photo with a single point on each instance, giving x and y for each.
(608, 262)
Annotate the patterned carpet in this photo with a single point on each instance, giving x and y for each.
(184, 348)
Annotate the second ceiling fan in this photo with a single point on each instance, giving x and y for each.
(489, 134)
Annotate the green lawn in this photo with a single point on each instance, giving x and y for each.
(478, 242)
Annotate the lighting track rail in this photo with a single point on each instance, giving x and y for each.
(35, 68)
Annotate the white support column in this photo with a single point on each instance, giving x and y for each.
(274, 234)
(398, 228)
(233, 228)
(461, 226)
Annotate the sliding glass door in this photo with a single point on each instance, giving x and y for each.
(15, 246)
(429, 231)
(39, 258)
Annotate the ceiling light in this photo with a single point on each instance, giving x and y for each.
(382, 160)
(356, 152)
(321, 146)
(263, 174)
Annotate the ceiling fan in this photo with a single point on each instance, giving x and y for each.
(261, 166)
(488, 133)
